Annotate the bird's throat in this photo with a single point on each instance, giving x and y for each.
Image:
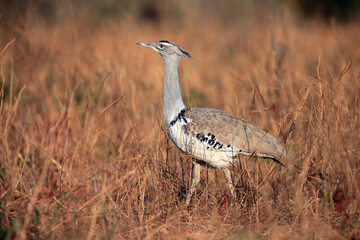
(172, 100)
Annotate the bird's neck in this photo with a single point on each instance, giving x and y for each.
(172, 101)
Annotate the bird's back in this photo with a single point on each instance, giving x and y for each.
(218, 137)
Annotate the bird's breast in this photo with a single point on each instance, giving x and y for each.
(204, 147)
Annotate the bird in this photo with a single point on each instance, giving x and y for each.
(211, 136)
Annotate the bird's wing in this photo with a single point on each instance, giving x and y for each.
(225, 132)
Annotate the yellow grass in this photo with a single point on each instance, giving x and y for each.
(84, 152)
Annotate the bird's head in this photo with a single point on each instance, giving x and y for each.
(166, 49)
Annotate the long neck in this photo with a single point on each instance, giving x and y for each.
(172, 101)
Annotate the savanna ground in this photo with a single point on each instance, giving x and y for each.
(83, 147)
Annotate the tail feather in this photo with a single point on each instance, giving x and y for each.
(288, 159)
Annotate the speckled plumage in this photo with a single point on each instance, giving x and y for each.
(217, 138)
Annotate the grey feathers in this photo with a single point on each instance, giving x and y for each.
(225, 132)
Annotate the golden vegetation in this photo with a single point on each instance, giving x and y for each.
(84, 153)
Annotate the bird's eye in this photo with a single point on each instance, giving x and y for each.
(161, 46)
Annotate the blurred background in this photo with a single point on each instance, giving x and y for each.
(83, 148)
(48, 13)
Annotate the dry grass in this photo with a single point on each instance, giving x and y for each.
(84, 153)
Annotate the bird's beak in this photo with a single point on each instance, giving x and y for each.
(145, 44)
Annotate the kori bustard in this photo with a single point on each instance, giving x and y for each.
(212, 136)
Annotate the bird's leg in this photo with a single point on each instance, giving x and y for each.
(229, 182)
(195, 179)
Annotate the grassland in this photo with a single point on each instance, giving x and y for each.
(84, 151)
